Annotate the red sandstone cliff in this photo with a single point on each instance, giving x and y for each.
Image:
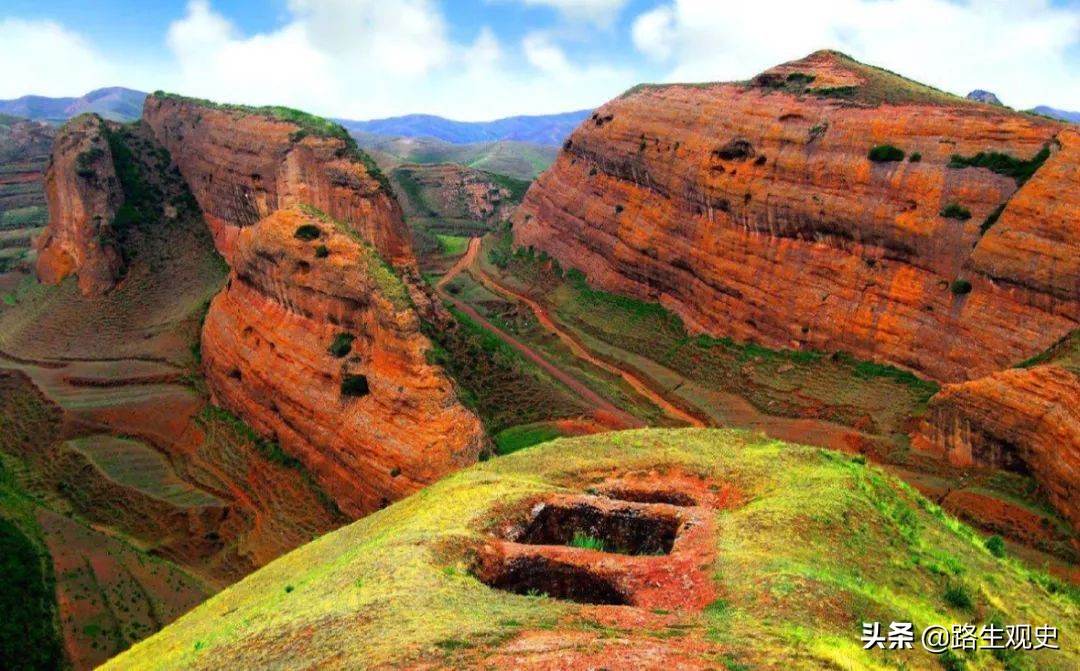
(83, 196)
(752, 210)
(267, 352)
(1025, 420)
(242, 165)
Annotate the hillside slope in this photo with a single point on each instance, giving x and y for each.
(685, 549)
(826, 205)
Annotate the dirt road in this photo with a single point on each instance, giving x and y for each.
(588, 395)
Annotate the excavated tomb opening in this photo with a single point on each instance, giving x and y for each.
(645, 495)
(631, 531)
(536, 575)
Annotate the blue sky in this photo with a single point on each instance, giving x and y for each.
(480, 59)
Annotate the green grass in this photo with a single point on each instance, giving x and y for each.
(821, 544)
(1003, 164)
(28, 640)
(452, 245)
(137, 465)
(517, 438)
(24, 217)
(586, 542)
(494, 380)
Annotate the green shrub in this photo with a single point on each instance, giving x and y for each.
(960, 287)
(836, 91)
(592, 171)
(956, 211)
(342, 344)
(996, 545)
(618, 209)
(915, 157)
(801, 78)
(355, 385)
(957, 596)
(307, 232)
(884, 153)
(1003, 164)
(321, 252)
(586, 542)
(27, 637)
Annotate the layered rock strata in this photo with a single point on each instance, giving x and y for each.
(243, 164)
(315, 343)
(1025, 420)
(755, 210)
(83, 195)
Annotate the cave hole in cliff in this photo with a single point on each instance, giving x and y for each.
(355, 385)
(537, 575)
(622, 530)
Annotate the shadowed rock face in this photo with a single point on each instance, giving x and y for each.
(1025, 420)
(242, 166)
(753, 211)
(372, 420)
(83, 196)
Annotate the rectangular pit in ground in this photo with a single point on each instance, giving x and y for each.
(627, 530)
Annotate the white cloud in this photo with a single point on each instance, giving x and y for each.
(1018, 49)
(44, 58)
(369, 58)
(599, 12)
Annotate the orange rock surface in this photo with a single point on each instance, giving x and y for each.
(1025, 420)
(242, 165)
(83, 196)
(266, 348)
(752, 210)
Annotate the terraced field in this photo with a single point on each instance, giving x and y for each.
(135, 464)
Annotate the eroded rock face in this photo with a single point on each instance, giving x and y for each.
(242, 166)
(83, 196)
(455, 192)
(754, 211)
(314, 342)
(1025, 420)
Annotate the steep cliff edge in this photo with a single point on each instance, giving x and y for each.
(315, 343)
(1025, 420)
(83, 195)
(244, 163)
(825, 205)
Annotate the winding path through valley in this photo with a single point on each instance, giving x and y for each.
(468, 263)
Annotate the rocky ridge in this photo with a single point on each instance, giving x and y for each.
(84, 195)
(850, 196)
(315, 343)
(244, 163)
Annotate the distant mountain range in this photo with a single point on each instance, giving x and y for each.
(115, 103)
(550, 129)
(1073, 117)
(121, 104)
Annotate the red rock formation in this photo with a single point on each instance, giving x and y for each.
(752, 210)
(452, 191)
(242, 165)
(84, 194)
(266, 348)
(1025, 420)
